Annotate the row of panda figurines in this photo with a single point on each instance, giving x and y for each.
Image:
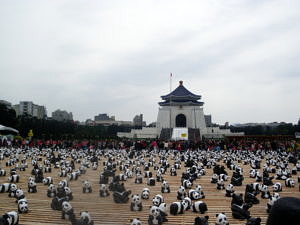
(12, 218)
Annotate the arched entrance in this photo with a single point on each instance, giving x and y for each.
(180, 120)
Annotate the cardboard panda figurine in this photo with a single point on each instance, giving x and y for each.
(229, 190)
(104, 192)
(181, 194)
(159, 177)
(187, 203)
(69, 194)
(67, 212)
(114, 184)
(220, 184)
(221, 219)
(201, 220)
(277, 187)
(86, 187)
(239, 208)
(62, 173)
(23, 206)
(129, 173)
(252, 173)
(14, 178)
(122, 177)
(39, 176)
(47, 181)
(199, 206)
(253, 221)
(120, 195)
(6, 187)
(60, 197)
(187, 184)
(47, 169)
(138, 179)
(145, 193)
(237, 179)
(265, 194)
(10, 218)
(199, 189)
(95, 166)
(63, 183)
(250, 195)
(56, 203)
(173, 171)
(289, 182)
(32, 187)
(73, 176)
(136, 203)
(157, 200)
(193, 194)
(103, 179)
(271, 201)
(135, 221)
(258, 177)
(223, 176)
(147, 174)
(176, 208)
(214, 178)
(12, 188)
(85, 219)
(155, 217)
(163, 211)
(2, 173)
(151, 181)
(165, 188)
(51, 191)
(19, 195)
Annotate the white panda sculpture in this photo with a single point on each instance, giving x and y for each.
(221, 219)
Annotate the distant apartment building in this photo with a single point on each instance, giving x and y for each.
(207, 119)
(138, 120)
(106, 120)
(104, 117)
(62, 115)
(31, 109)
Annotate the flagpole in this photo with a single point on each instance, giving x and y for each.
(170, 104)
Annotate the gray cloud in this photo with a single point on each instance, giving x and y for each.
(116, 56)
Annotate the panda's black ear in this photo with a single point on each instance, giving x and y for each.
(138, 218)
(130, 220)
(131, 196)
(223, 213)
(258, 219)
(206, 217)
(217, 214)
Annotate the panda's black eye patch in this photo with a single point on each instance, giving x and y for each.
(220, 220)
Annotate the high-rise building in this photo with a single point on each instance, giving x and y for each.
(208, 120)
(138, 120)
(62, 115)
(31, 109)
(104, 117)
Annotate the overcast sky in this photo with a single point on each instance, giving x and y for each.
(115, 57)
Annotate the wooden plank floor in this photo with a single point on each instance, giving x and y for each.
(105, 211)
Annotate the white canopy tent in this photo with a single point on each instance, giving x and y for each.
(8, 130)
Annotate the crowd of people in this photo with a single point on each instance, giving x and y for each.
(244, 143)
